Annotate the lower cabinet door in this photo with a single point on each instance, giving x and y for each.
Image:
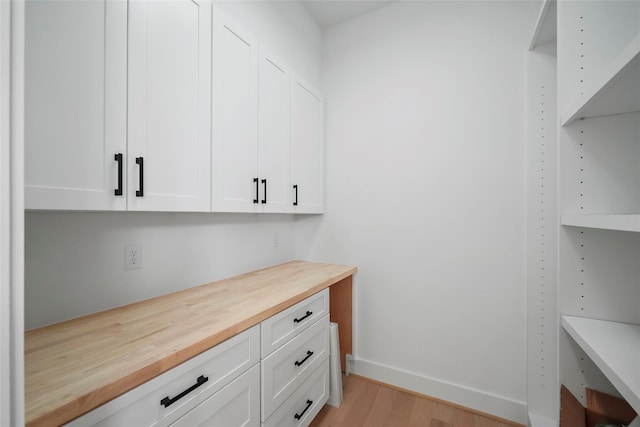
(146, 405)
(290, 366)
(305, 403)
(237, 404)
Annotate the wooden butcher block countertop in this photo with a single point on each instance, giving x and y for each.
(77, 365)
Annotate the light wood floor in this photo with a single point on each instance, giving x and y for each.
(369, 404)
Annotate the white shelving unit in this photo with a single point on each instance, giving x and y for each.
(542, 221)
(615, 349)
(616, 89)
(598, 245)
(605, 222)
(546, 25)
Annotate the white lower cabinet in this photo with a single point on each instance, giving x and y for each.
(295, 363)
(238, 404)
(290, 322)
(171, 395)
(287, 368)
(230, 385)
(305, 403)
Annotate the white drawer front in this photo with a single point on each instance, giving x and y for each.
(237, 404)
(305, 403)
(142, 405)
(281, 327)
(286, 368)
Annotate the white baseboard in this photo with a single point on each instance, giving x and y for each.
(498, 406)
(536, 420)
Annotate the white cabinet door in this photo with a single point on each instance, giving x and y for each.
(75, 104)
(169, 105)
(205, 375)
(274, 133)
(307, 148)
(291, 365)
(236, 405)
(301, 408)
(235, 182)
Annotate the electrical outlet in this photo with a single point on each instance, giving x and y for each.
(132, 257)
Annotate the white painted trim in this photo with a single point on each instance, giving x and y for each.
(12, 213)
(5, 215)
(478, 400)
(536, 420)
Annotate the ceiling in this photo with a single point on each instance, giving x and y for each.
(332, 12)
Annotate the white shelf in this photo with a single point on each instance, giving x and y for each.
(615, 91)
(546, 25)
(605, 222)
(614, 348)
(540, 421)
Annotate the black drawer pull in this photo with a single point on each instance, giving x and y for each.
(295, 201)
(309, 313)
(255, 180)
(118, 158)
(309, 354)
(298, 416)
(264, 200)
(167, 401)
(140, 161)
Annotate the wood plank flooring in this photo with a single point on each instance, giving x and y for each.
(370, 404)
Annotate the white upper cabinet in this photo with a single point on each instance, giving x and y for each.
(235, 183)
(169, 105)
(164, 106)
(274, 134)
(307, 148)
(75, 104)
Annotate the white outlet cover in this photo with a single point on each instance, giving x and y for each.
(132, 257)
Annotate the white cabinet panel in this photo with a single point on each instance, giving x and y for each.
(282, 327)
(304, 404)
(274, 132)
(284, 370)
(307, 148)
(143, 405)
(542, 230)
(238, 404)
(235, 117)
(169, 105)
(75, 104)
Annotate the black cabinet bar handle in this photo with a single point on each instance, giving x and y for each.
(308, 313)
(118, 158)
(298, 416)
(140, 161)
(295, 201)
(257, 185)
(309, 354)
(264, 200)
(168, 401)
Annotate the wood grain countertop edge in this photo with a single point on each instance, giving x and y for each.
(85, 403)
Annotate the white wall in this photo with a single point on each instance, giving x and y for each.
(426, 195)
(75, 261)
